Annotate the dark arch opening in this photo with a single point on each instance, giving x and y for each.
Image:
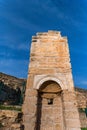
(50, 86)
(49, 89)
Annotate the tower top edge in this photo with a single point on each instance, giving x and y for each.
(50, 33)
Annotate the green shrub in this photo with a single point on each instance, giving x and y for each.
(83, 128)
(1, 125)
(3, 107)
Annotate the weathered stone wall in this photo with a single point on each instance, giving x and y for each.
(50, 61)
(49, 52)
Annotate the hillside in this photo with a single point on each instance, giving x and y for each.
(81, 96)
(11, 81)
(11, 89)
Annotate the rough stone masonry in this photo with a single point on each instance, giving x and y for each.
(50, 102)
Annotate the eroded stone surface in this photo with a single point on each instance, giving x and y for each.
(10, 120)
(46, 106)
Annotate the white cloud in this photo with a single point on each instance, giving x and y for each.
(84, 82)
(9, 62)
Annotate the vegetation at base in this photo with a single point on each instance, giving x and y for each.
(83, 128)
(83, 110)
(1, 125)
(3, 107)
(22, 93)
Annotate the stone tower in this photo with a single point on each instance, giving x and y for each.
(50, 102)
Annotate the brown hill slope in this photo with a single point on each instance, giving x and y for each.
(11, 89)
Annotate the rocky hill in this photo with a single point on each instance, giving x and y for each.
(11, 89)
(11, 81)
(81, 96)
(11, 98)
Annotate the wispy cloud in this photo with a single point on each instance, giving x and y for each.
(23, 46)
(84, 82)
(18, 20)
(80, 81)
(12, 67)
(69, 13)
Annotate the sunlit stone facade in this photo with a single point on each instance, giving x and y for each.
(50, 102)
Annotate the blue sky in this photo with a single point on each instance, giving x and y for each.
(20, 19)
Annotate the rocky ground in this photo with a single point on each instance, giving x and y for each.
(10, 120)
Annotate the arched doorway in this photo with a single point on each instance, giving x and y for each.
(49, 108)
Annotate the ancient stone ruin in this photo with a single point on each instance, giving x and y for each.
(50, 102)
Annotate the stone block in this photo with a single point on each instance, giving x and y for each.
(58, 127)
(73, 128)
(29, 108)
(73, 123)
(71, 114)
(70, 105)
(28, 126)
(68, 96)
(31, 119)
(31, 92)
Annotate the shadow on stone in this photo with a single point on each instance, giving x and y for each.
(39, 107)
